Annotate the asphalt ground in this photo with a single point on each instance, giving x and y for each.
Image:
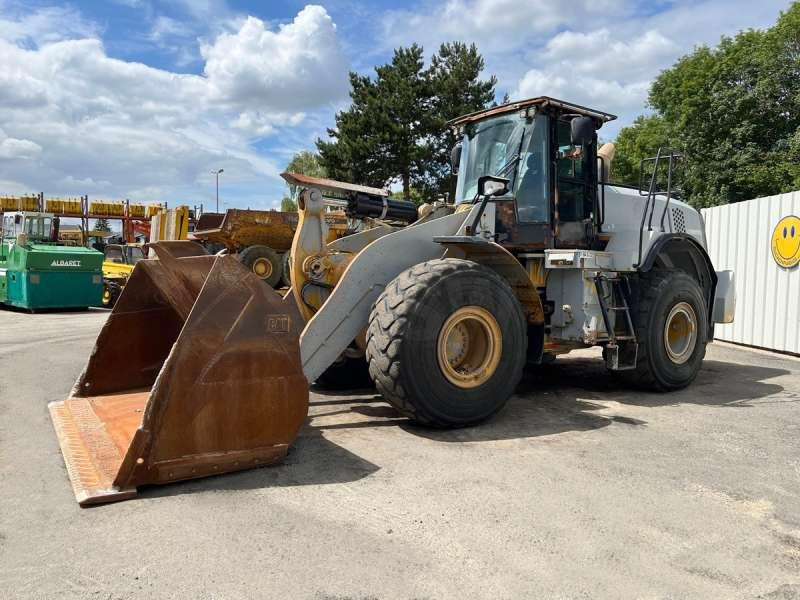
(577, 489)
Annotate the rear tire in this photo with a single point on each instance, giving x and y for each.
(263, 262)
(671, 321)
(446, 343)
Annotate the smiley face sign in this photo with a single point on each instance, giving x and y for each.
(786, 242)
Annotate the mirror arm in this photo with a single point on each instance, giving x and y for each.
(477, 220)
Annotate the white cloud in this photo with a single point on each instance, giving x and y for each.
(46, 25)
(166, 27)
(604, 53)
(495, 25)
(75, 120)
(598, 70)
(298, 66)
(15, 148)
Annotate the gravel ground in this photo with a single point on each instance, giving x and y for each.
(577, 489)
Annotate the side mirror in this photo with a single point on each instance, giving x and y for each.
(455, 157)
(582, 131)
(489, 185)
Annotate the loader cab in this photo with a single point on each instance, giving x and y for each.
(127, 254)
(547, 149)
(37, 227)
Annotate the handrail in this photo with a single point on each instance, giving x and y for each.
(650, 195)
(652, 192)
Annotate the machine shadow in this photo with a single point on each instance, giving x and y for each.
(561, 397)
(718, 384)
(312, 460)
(551, 400)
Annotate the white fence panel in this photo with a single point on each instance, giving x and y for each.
(740, 237)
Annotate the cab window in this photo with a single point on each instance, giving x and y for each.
(574, 200)
(38, 228)
(136, 254)
(533, 199)
(114, 254)
(9, 230)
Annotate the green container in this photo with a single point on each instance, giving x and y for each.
(41, 276)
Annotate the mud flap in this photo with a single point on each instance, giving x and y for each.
(196, 372)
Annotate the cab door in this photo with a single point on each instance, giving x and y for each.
(575, 190)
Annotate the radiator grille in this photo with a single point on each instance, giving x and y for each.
(678, 221)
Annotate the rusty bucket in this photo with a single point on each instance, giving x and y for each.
(196, 372)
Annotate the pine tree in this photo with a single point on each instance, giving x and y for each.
(454, 76)
(395, 130)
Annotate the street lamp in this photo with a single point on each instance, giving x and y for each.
(217, 172)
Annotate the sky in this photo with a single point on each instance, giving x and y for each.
(142, 99)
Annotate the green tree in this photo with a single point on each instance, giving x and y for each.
(734, 110)
(395, 129)
(455, 78)
(288, 205)
(102, 225)
(640, 140)
(304, 163)
(382, 136)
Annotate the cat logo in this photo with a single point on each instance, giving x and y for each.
(65, 263)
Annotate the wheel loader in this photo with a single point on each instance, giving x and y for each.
(539, 256)
(118, 263)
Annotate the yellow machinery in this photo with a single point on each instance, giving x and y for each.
(118, 263)
(168, 224)
(262, 238)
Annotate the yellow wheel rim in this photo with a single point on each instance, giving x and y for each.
(469, 347)
(106, 297)
(262, 268)
(680, 333)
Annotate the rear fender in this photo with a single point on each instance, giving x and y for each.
(681, 251)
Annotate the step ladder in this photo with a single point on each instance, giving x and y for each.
(612, 296)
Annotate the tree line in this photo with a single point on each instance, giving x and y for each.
(732, 111)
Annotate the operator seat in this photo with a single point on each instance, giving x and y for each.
(606, 152)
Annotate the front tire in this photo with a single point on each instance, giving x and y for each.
(446, 343)
(671, 321)
(111, 292)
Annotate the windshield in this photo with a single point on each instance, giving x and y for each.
(514, 147)
(38, 228)
(136, 254)
(9, 229)
(490, 147)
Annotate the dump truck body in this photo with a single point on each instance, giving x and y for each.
(239, 229)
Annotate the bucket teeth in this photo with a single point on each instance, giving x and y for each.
(91, 457)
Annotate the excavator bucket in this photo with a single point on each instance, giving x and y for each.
(196, 372)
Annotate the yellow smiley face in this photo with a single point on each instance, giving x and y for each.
(786, 242)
